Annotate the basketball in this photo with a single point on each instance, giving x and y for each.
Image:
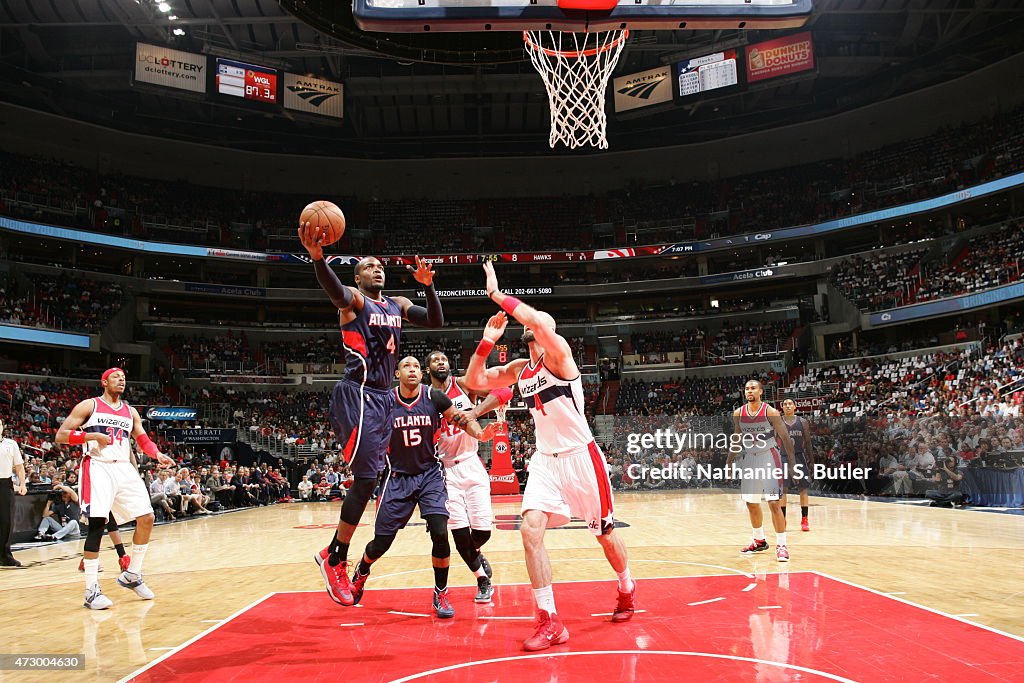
(327, 217)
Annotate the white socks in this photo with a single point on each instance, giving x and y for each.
(625, 581)
(780, 538)
(545, 598)
(480, 572)
(138, 554)
(759, 533)
(92, 572)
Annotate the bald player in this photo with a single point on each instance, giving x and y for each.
(568, 474)
(362, 401)
(763, 475)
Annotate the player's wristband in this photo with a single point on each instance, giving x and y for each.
(509, 304)
(503, 394)
(147, 445)
(483, 349)
(76, 437)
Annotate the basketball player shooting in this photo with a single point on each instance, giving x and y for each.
(361, 403)
(568, 474)
(110, 485)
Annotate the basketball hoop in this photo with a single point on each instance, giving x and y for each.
(499, 413)
(576, 68)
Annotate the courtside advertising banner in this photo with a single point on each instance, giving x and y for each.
(313, 95)
(643, 89)
(170, 68)
(780, 57)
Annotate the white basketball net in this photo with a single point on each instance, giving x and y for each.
(576, 68)
(499, 413)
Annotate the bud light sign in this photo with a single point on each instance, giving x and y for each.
(173, 413)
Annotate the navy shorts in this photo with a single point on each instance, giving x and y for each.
(803, 482)
(402, 492)
(361, 419)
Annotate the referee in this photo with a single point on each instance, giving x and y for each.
(10, 461)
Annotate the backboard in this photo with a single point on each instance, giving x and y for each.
(423, 16)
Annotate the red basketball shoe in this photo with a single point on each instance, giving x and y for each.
(624, 607)
(339, 588)
(550, 631)
(124, 562)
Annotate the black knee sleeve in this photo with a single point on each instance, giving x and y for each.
(376, 548)
(437, 525)
(111, 524)
(464, 546)
(356, 499)
(480, 537)
(96, 527)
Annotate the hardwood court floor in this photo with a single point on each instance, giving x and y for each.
(207, 569)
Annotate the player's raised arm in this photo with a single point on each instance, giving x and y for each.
(146, 444)
(341, 296)
(479, 377)
(495, 399)
(556, 349)
(432, 315)
(70, 433)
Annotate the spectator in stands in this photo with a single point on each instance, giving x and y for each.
(221, 491)
(305, 488)
(158, 495)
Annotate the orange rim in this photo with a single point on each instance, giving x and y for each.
(574, 54)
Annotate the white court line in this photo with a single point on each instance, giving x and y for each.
(769, 607)
(409, 614)
(704, 602)
(193, 639)
(750, 587)
(731, 570)
(781, 665)
(608, 614)
(928, 609)
(485, 617)
(357, 624)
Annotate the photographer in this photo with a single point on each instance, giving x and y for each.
(61, 515)
(948, 493)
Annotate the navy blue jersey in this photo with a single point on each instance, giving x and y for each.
(797, 432)
(414, 425)
(371, 342)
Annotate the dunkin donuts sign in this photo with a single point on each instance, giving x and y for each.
(780, 57)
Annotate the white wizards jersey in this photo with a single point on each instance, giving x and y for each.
(453, 443)
(557, 408)
(757, 429)
(117, 424)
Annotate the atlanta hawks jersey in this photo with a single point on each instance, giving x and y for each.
(371, 341)
(557, 408)
(117, 424)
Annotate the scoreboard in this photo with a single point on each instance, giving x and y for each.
(248, 81)
(710, 72)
